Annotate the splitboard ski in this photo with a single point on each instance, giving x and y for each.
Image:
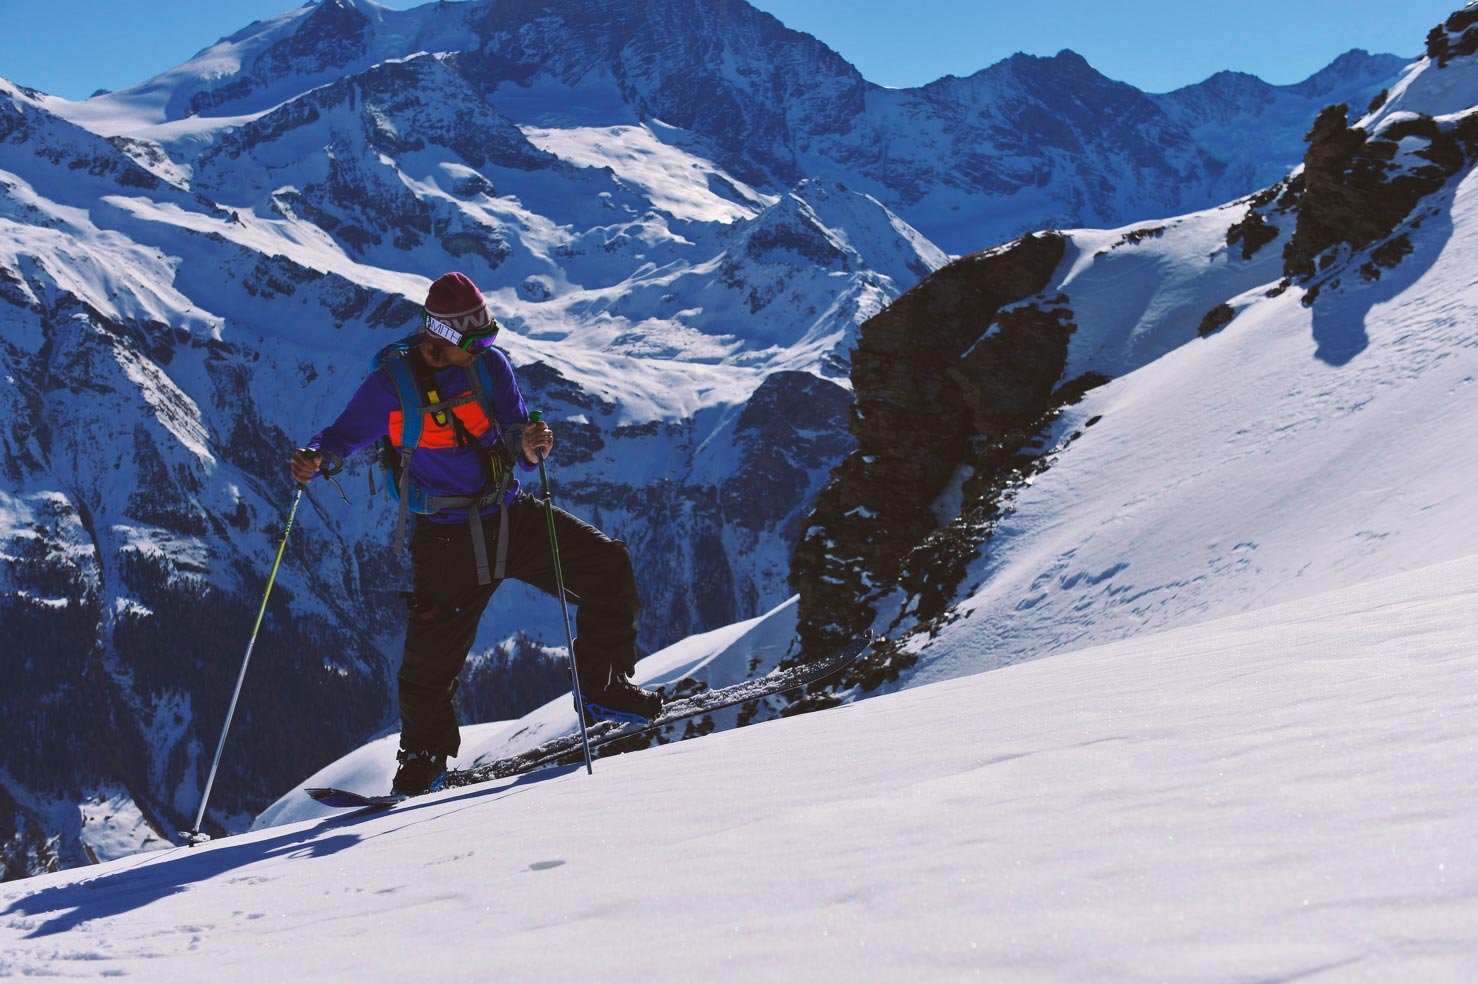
(605, 732)
(345, 799)
(673, 711)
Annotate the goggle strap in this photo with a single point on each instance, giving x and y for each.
(467, 341)
(443, 330)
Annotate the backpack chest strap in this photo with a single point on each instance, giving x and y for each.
(440, 407)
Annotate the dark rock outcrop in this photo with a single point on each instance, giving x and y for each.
(1455, 37)
(1357, 188)
(919, 404)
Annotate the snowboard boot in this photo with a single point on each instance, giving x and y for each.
(619, 700)
(419, 772)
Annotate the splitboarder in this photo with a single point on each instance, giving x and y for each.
(452, 423)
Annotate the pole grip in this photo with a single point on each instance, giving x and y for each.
(312, 453)
(537, 416)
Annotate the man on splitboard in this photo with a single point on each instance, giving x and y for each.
(452, 425)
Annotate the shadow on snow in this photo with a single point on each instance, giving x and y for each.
(1340, 315)
(159, 877)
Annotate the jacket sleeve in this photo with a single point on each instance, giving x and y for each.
(365, 419)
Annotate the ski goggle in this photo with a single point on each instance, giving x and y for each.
(473, 340)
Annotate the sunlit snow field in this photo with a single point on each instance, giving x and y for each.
(1282, 795)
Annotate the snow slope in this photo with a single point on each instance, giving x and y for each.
(1307, 445)
(1297, 450)
(1285, 794)
(718, 658)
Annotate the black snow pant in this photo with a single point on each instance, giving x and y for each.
(447, 603)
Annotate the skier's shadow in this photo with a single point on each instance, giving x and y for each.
(133, 888)
(160, 876)
(1339, 316)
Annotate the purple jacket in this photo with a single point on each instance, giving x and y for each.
(449, 471)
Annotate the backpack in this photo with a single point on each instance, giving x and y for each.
(418, 400)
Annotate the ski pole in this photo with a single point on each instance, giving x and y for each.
(564, 606)
(194, 836)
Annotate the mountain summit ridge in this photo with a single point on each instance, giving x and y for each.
(951, 156)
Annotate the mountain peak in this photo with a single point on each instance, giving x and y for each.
(347, 6)
(1065, 60)
(1354, 66)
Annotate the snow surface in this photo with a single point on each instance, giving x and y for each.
(672, 179)
(1280, 795)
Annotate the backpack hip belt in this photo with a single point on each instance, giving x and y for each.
(474, 506)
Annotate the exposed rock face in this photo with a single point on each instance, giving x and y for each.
(1255, 230)
(1456, 37)
(1360, 184)
(926, 386)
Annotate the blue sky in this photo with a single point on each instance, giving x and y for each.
(73, 47)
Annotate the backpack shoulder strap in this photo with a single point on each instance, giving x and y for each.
(411, 417)
(480, 381)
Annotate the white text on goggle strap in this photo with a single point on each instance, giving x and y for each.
(444, 330)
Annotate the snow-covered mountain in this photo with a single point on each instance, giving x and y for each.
(682, 211)
(1025, 144)
(163, 348)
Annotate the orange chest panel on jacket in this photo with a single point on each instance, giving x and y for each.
(434, 435)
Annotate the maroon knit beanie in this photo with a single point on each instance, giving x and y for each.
(455, 300)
